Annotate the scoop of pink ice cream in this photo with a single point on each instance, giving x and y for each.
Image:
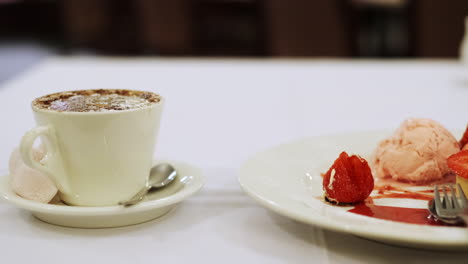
(417, 152)
(29, 183)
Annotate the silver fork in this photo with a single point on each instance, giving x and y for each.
(452, 206)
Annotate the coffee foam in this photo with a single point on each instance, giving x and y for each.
(101, 100)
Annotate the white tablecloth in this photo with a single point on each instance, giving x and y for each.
(218, 113)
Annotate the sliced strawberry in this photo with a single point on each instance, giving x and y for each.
(458, 163)
(349, 180)
(464, 139)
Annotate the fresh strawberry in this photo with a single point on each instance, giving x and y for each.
(349, 180)
(458, 163)
(464, 139)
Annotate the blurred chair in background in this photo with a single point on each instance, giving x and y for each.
(211, 27)
(105, 25)
(319, 28)
(308, 28)
(438, 27)
(382, 28)
(165, 26)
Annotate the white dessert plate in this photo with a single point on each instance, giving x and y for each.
(286, 179)
(156, 204)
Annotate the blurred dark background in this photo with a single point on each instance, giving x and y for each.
(263, 28)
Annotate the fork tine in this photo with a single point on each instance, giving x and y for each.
(462, 196)
(447, 201)
(454, 198)
(437, 202)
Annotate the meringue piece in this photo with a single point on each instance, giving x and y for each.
(30, 183)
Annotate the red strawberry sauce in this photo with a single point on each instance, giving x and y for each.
(398, 214)
(420, 216)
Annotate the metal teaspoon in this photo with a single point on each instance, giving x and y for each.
(160, 176)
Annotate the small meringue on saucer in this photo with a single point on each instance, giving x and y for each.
(30, 183)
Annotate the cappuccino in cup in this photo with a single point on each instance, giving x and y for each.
(99, 143)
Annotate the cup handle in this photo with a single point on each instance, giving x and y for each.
(51, 164)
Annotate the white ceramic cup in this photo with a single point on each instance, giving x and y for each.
(95, 158)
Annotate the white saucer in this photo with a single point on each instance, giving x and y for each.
(188, 182)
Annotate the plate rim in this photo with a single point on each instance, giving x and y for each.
(333, 225)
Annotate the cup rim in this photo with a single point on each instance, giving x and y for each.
(36, 108)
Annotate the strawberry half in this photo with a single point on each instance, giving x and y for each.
(349, 180)
(458, 163)
(464, 139)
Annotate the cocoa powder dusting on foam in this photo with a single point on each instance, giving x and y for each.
(96, 100)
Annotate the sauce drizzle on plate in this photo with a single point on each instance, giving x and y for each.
(393, 189)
